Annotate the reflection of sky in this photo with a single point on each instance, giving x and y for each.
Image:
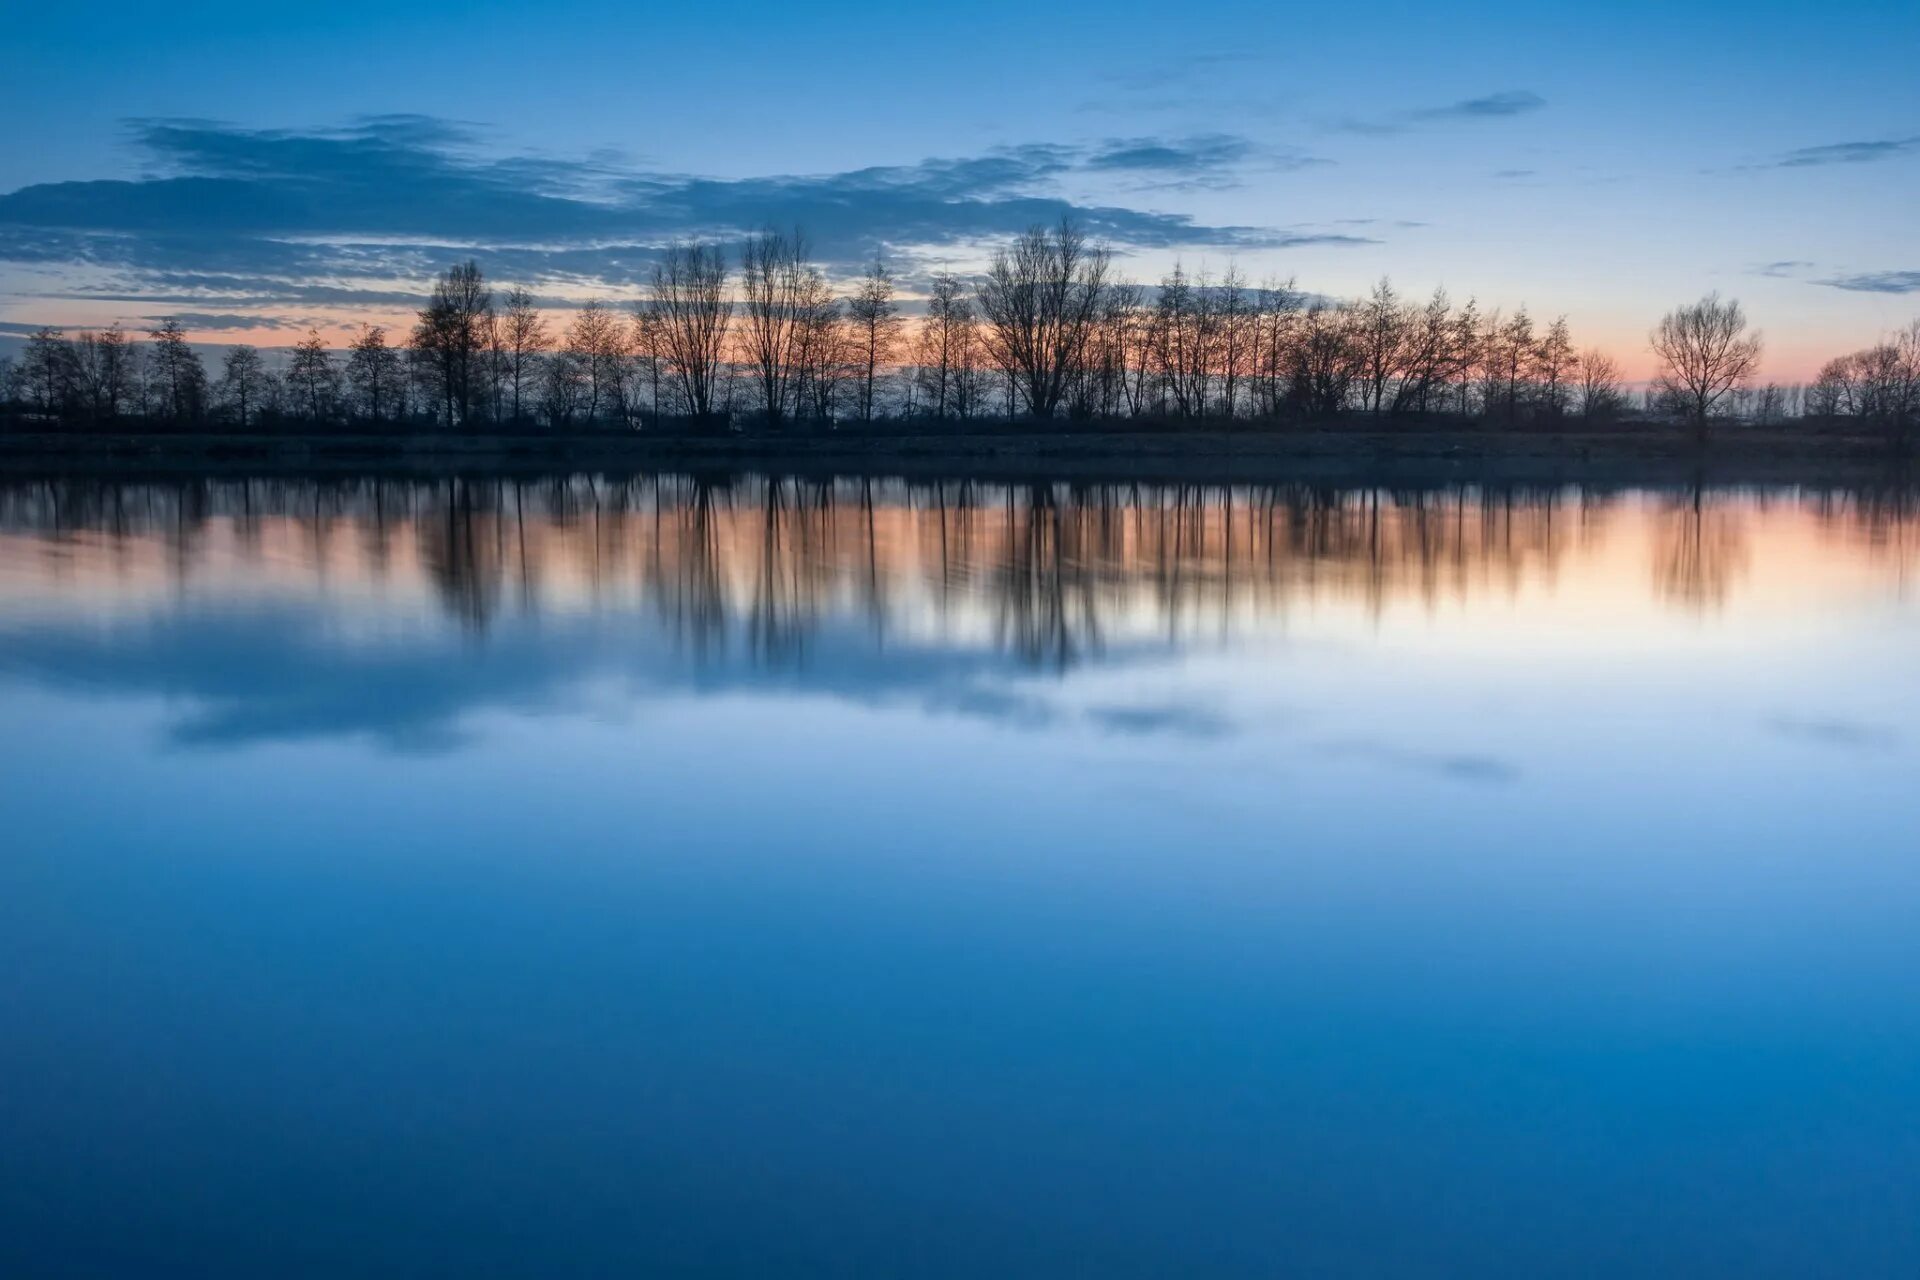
(1551, 923)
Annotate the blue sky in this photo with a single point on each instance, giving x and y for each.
(260, 168)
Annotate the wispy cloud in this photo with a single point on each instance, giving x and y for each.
(1846, 153)
(1876, 282)
(203, 321)
(1785, 268)
(1167, 155)
(1506, 104)
(1493, 106)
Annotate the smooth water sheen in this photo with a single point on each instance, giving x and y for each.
(660, 876)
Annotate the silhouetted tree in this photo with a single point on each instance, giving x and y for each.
(596, 343)
(688, 298)
(243, 377)
(106, 371)
(944, 335)
(775, 281)
(1040, 300)
(47, 373)
(1554, 363)
(876, 321)
(522, 336)
(450, 339)
(374, 373)
(1705, 352)
(1380, 335)
(312, 378)
(1600, 395)
(178, 378)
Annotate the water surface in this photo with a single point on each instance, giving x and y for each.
(598, 876)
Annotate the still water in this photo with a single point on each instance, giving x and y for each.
(646, 876)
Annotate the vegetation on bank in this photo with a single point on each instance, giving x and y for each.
(1049, 336)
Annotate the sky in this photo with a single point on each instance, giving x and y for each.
(259, 169)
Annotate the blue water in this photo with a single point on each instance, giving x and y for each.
(598, 877)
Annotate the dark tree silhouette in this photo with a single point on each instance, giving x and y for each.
(1705, 353)
(450, 338)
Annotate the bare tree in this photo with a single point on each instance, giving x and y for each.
(1705, 352)
(688, 297)
(1554, 362)
(1380, 332)
(312, 378)
(451, 339)
(179, 379)
(824, 355)
(1040, 300)
(649, 346)
(1600, 395)
(374, 374)
(105, 366)
(1235, 319)
(597, 342)
(243, 379)
(944, 336)
(876, 321)
(47, 372)
(773, 279)
(522, 336)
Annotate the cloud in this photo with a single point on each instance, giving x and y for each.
(211, 320)
(1510, 102)
(1299, 240)
(1783, 269)
(342, 216)
(1493, 106)
(1877, 282)
(1847, 153)
(1162, 155)
(1513, 174)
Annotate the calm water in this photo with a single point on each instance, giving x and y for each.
(659, 877)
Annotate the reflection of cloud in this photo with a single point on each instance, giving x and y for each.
(275, 213)
(281, 675)
(1458, 767)
(1832, 731)
(1192, 722)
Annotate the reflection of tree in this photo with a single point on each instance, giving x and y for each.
(694, 583)
(461, 558)
(1884, 519)
(1700, 551)
(1051, 572)
(783, 608)
(1044, 609)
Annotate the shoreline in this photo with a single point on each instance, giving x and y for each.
(1623, 456)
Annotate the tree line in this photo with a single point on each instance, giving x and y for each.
(1049, 331)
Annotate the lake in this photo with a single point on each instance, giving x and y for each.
(747, 876)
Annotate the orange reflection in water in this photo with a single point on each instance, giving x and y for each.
(1048, 570)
